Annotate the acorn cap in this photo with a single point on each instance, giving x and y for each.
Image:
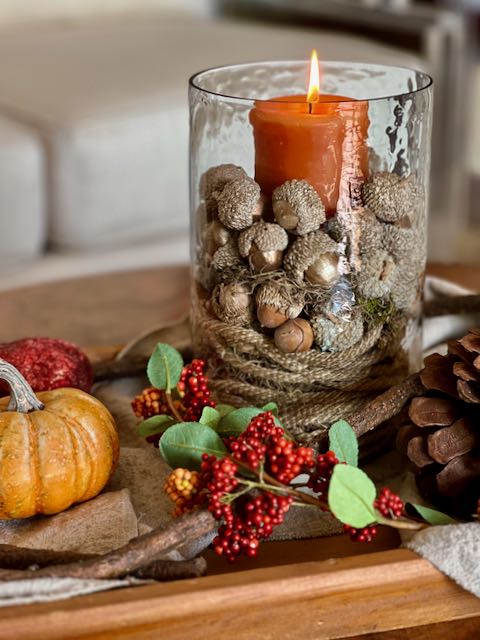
(282, 297)
(305, 251)
(239, 203)
(297, 207)
(389, 196)
(336, 335)
(400, 243)
(408, 285)
(267, 236)
(231, 303)
(377, 274)
(371, 231)
(226, 257)
(217, 177)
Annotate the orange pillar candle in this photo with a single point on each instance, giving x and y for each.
(314, 137)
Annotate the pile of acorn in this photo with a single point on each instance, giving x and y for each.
(277, 263)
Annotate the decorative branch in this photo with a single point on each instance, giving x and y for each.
(13, 557)
(164, 570)
(386, 405)
(454, 305)
(124, 368)
(382, 408)
(22, 562)
(130, 558)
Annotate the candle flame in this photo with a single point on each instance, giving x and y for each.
(314, 80)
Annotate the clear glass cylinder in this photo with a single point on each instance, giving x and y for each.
(308, 219)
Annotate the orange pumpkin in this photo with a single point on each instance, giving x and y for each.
(56, 449)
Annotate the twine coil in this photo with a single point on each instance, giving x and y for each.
(312, 389)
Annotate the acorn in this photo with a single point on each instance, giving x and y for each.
(313, 258)
(377, 274)
(297, 207)
(389, 196)
(231, 303)
(216, 236)
(263, 243)
(335, 334)
(217, 177)
(239, 203)
(277, 303)
(324, 271)
(294, 336)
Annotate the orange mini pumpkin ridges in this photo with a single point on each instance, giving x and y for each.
(56, 449)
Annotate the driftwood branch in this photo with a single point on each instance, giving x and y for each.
(140, 552)
(15, 561)
(124, 368)
(374, 413)
(13, 557)
(455, 305)
(386, 405)
(163, 570)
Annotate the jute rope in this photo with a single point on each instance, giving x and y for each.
(312, 389)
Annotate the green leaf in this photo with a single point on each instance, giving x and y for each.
(165, 367)
(155, 425)
(432, 516)
(210, 417)
(343, 442)
(350, 496)
(224, 409)
(271, 406)
(235, 422)
(183, 445)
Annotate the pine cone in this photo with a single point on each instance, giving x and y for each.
(442, 439)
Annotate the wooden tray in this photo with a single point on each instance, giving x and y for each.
(314, 589)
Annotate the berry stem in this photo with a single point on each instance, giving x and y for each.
(401, 523)
(268, 482)
(172, 407)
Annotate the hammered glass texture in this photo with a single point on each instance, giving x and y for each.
(399, 110)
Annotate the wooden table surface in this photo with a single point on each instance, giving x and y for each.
(308, 590)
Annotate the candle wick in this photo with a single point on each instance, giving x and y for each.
(310, 106)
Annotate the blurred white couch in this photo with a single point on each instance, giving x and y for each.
(106, 101)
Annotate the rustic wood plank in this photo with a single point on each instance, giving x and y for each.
(336, 598)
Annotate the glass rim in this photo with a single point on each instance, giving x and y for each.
(193, 80)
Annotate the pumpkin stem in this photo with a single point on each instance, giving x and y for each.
(22, 397)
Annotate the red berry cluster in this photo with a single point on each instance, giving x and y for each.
(218, 478)
(193, 387)
(248, 519)
(320, 477)
(253, 521)
(364, 534)
(263, 441)
(389, 504)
